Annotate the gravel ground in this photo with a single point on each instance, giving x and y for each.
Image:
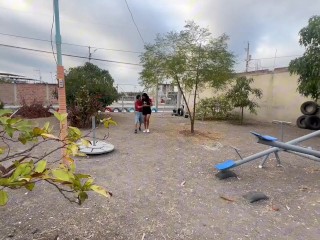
(164, 187)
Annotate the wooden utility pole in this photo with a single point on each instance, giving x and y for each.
(60, 77)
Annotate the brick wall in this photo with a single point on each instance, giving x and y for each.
(15, 93)
(7, 93)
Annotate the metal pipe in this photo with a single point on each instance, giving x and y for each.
(93, 130)
(305, 155)
(275, 149)
(287, 146)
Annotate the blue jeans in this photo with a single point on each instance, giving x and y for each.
(138, 118)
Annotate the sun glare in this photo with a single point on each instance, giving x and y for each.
(20, 5)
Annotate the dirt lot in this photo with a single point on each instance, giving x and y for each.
(164, 187)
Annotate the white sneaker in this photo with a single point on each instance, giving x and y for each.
(145, 130)
(148, 130)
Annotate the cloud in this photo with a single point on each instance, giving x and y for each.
(270, 26)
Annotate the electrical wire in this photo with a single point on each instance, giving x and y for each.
(54, 56)
(134, 22)
(71, 44)
(70, 55)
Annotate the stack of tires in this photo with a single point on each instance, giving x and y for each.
(309, 119)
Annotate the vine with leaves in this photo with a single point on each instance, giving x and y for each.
(24, 169)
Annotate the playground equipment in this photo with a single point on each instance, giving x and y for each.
(96, 147)
(276, 147)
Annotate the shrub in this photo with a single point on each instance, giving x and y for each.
(83, 108)
(1, 104)
(214, 108)
(34, 110)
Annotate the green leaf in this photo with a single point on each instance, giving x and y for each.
(30, 186)
(75, 130)
(85, 142)
(22, 170)
(100, 190)
(4, 181)
(5, 112)
(9, 130)
(46, 126)
(61, 175)
(24, 126)
(73, 148)
(22, 138)
(79, 175)
(3, 198)
(88, 184)
(61, 117)
(1, 151)
(82, 196)
(111, 122)
(73, 167)
(37, 131)
(48, 135)
(41, 166)
(106, 124)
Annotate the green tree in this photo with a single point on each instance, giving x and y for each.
(308, 66)
(98, 82)
(191, 58)
(22, 165)
(242, 95)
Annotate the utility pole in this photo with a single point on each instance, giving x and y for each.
(60, 77)
(90, 53)
(248, 59)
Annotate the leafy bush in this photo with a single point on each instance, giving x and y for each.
(1, 104)
(214, 108)
(83, 108)
(34, 110)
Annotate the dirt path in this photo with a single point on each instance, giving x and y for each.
(164, 187)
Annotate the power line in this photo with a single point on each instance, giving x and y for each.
(71, 44)
(134, 22)
(276, 57)
(69, 55)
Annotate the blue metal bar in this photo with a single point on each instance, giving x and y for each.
(58, 36)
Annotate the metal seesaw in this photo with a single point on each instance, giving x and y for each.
(276, 147)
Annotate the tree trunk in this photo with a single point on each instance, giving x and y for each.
(241, 115)
(185, 100)
(192, 126)
(194, 104)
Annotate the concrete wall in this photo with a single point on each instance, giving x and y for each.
(15, 93)
(280, 99)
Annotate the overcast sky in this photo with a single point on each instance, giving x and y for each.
(270, 26)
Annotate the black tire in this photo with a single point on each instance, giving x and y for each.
(301, 121)
(313, 122)
(116, 110)
(180, 111)
(309, 108)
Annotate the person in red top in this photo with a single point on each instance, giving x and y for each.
(138, 113)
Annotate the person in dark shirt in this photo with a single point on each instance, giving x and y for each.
(146, 111)
(138, 113)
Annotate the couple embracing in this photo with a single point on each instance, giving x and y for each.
(142, 112)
